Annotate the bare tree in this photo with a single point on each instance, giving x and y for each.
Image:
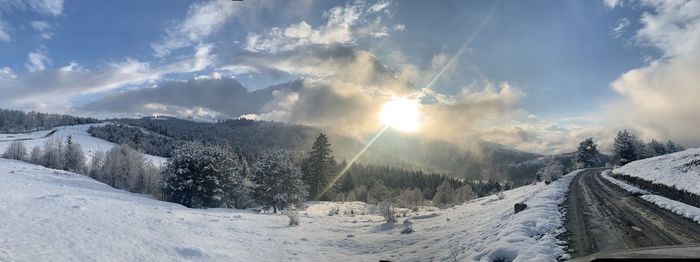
(16, 150)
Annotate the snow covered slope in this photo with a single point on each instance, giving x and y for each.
(50, 215)
(79, 133)
(680, 170)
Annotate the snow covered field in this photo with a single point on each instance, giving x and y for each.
(680, 170)
(51, 215)
(79, 133)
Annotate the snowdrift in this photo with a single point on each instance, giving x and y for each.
(680, 170)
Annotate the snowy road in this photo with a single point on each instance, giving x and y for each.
(604, 217)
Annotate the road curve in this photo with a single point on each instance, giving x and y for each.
(603, 217)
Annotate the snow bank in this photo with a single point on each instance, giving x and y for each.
(674, 206)
(79, 133)
(680, 170)
(531, 234)
(607, 174)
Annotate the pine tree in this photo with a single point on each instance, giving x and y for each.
(202, 177)
(74, 159)
(672, 147)
(320, 168)
(655, 148)
(586, 154)
(378, 192)
(277, 182)
(624, 148)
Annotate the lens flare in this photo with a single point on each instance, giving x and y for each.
(402, 114)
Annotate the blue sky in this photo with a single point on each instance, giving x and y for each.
(534, 66)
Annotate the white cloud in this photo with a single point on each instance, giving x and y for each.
(43, 28)
(7, 73)
(49, 89)
(37, 60)
(399, 27)
(661, 99)
(203, 20)
(4, 35)
(620, 28)
(43, 7)
(343, 25)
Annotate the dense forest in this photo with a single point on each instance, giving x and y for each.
(15, 121)
(485, 161)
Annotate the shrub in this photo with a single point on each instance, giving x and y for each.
(294, 218)
(388, 211)
(16, 150)
(407, 227)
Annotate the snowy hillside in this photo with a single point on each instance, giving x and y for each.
(680, 170)
(78, 132)
(51, 215)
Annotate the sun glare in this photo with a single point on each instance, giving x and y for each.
(402, 114)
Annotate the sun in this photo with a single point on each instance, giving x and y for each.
(402, 114)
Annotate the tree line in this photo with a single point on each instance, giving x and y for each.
(627, 148)
(200, 176)
(16, 121)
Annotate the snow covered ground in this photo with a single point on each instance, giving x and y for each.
(677, 207)
(50, 215)
(680, 170)
(79, 133)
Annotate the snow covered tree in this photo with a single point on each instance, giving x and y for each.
(96, 164)
(625, 148)
(464, 193)
(412, 197)
(586, 154)
(35, 155)
(552, 170)
(125, 168)
(444, 195)
(74, 159)
(378, 192)
(320, 168)
(672, 147)
(16, 150)
(201, 177)
(53, 153)
(655, 148)
(277, 182)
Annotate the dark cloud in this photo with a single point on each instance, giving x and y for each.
(223, 95)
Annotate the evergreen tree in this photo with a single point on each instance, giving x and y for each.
(586, 154)
(320, 168)
(277, 182)
(655, 148)
(672, 147)
(201, 177)
(378, 192)
(74, 159)
(624, 148)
